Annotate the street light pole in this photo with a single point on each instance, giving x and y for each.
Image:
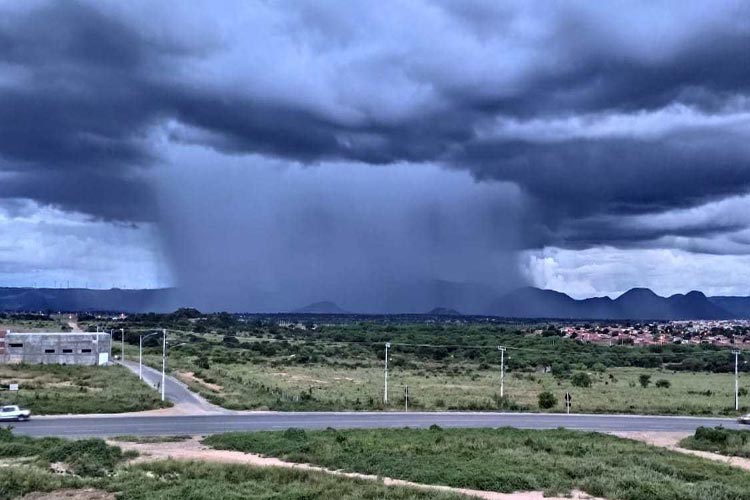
(163, 363)
(736, 381)
(385, 391)
(122, 337)
(502, 370)
(140, 351)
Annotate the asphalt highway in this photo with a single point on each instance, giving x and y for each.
(68, 426)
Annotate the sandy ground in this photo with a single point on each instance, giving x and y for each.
(189, 377)
(670, 441)
(194, 450)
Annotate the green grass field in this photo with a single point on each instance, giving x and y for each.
(435, 386)
(56, 389)
(506, 460)
(37, 325)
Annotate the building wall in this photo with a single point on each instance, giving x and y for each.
(55, 348)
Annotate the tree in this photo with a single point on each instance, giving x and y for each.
(663, 384)
(547, 400)
(644, 380)
(581, 379)
(230, 341)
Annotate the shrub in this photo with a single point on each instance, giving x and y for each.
(295, 434)
(547, 400)
(742, 391)
(663, 384)
(202, 362)
(644, 380)
(581, 379)
(86, 457)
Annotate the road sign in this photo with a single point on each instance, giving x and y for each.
(568, 399)
(12, 387)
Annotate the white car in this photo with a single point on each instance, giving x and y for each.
(13, 412)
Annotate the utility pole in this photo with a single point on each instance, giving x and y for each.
(502, 370)
(122, 337)
(406, 398)
(385, 390)
(736, 380)
(163, 363)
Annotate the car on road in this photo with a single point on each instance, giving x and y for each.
(744, 419)
(14, 412)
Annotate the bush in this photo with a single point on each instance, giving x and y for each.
(644, 380)
(547, 400)
(202, 362)
(581, 379)
(742, 391)
(715, 435)
(86, 457)
(663, 384)
(719, 440)
(294, 434)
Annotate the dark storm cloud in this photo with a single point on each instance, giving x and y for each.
(87, 84)
(577, 178)
(74, 106)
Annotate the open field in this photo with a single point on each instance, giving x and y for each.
(39, 465)
(55, 389)
(465, 386)
(38, 325)
(556, 461)
(445, 366)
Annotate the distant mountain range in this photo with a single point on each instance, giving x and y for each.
(85, 299)
(443, 311)
(324, 307)
(635, 304)
(526, 302)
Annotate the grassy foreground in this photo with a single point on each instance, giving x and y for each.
(91, 463)
(719, 440)
(57, 389)
(506, 460)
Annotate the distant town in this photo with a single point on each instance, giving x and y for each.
(725, 333)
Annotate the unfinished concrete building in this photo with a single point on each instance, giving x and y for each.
(63, 348)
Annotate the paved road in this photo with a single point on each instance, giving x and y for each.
(175, 391)
(171, 425)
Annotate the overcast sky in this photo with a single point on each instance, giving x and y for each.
(313, 149)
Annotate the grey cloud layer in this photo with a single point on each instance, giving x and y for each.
(86, 85)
